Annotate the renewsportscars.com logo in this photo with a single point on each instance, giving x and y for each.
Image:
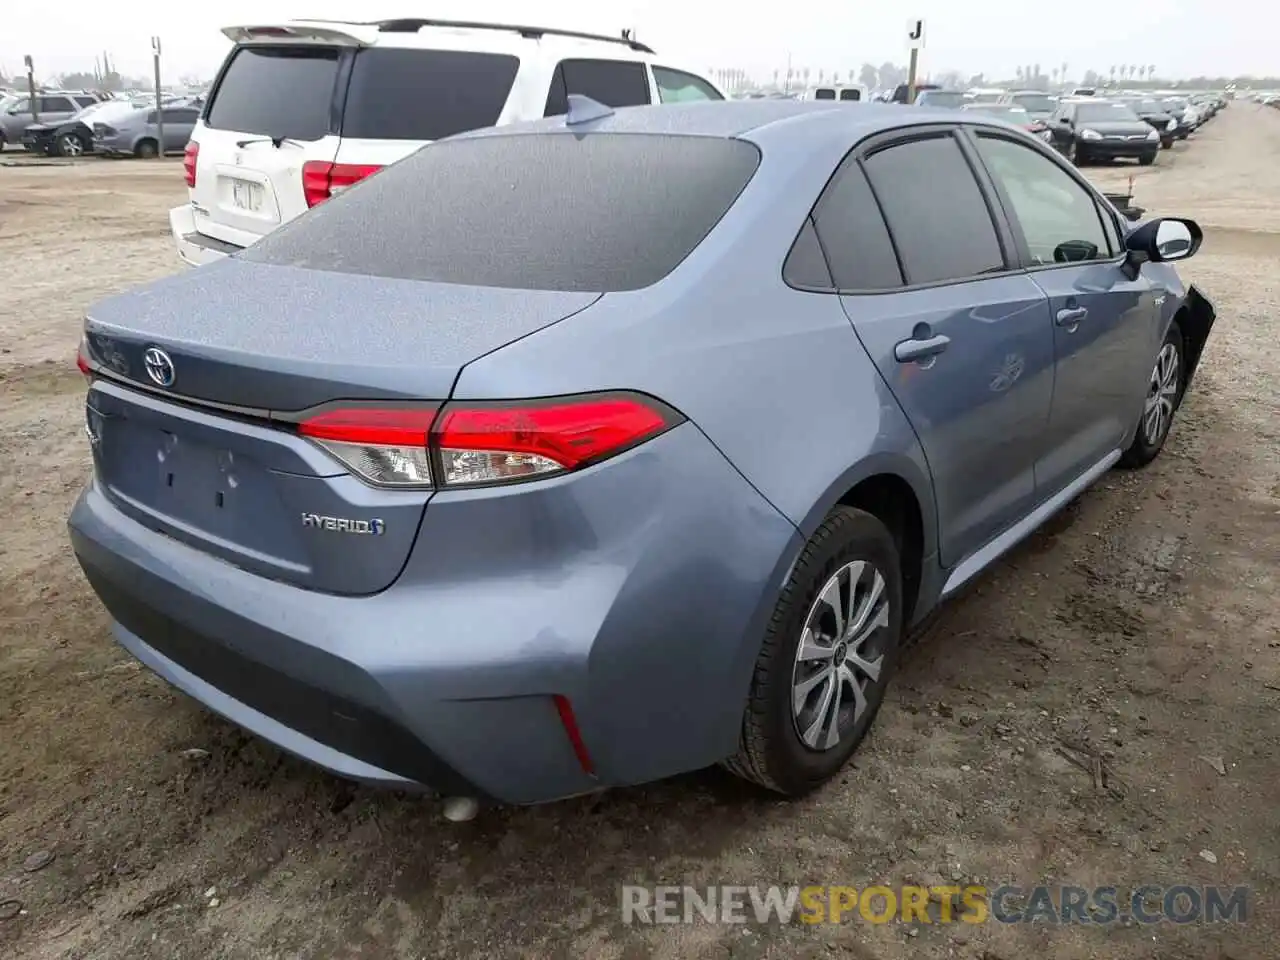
(973, 904)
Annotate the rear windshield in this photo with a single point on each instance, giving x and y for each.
(276, 91)
(601, 212)
(425, 94)
(1034, 101)
(942, 98)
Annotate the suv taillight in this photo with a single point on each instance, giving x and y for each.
(189, 157)
(322, 179)
(468, 444)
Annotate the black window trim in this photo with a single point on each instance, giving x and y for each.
(1100, 203)
(883, 140)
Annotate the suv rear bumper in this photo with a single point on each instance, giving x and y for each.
(194, 247)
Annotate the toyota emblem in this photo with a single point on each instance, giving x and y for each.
(159, 366)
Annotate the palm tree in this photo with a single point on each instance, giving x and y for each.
(1113, 73)
(1055, 76)
(1019, 73)
(1151, 71)
(1037, 73)
(1064, 71)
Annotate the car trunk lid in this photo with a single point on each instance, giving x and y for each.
(203, 446)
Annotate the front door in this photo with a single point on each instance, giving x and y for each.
(965, 346)
(1106, 325)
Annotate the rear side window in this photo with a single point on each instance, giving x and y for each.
(850, 94)
(824, 94)
(276, 91)
(85, 101)
(181, 115)
(604, 212)
(56, 104)
(852, 232)
(936, 213)
(425, 94)
(615, 83)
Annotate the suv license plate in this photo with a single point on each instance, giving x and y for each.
(246, 195)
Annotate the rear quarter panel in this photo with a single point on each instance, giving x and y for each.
(776, 378)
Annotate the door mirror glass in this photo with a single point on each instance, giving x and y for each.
(1173, 240)
(1165, 239)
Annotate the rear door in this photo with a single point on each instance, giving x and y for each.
(270, 112)
(964, 342)
(1106, 324)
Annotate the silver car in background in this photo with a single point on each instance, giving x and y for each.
(137, 134)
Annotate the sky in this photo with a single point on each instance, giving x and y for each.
(1182, 38)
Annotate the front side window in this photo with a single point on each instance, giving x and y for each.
(1059, 218)
(55, 105)
(850, 94)
(824, 93)
(676, 86)
(935, 210)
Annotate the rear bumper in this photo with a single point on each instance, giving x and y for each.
(638, 589)
(194, 247)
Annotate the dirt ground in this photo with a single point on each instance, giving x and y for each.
(1142, 628)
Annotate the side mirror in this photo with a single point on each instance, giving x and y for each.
(1164, 240)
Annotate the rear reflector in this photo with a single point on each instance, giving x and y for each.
(322, 179)
(189, 157)
(485, 443)
(570, 723)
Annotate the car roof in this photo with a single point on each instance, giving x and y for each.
(799, 123)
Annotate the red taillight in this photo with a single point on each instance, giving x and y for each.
(189, 157)
(485, 443)
(492, 443)
(82, 361)
(385, 447)
(322, 179)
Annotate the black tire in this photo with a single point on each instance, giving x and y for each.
(1147, 159)
(1146, 446)
(146, 149)
(771, 752)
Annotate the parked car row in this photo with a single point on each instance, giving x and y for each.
(117, 128)
(19, 111)
(1087, 124)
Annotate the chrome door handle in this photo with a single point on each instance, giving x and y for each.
(1070, 316)
(909, 351)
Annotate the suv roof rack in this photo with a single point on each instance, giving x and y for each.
(414, 24)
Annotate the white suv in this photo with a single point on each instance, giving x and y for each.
(304, 108)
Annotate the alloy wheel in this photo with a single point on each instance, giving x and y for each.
(1162, 394)
(840, 654)
(71, 146)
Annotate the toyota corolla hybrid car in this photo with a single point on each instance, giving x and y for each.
(584, 452)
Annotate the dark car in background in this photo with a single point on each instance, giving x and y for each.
(1085, 130)
(1180, 110)
(1154, 113)
(72, 137)
(941, 99)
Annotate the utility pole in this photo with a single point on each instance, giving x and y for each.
(155, 53)
(915, 39)
(31, 88)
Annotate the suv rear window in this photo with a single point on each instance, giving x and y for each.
(555, 211)
(276, 91)
(425, 94)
